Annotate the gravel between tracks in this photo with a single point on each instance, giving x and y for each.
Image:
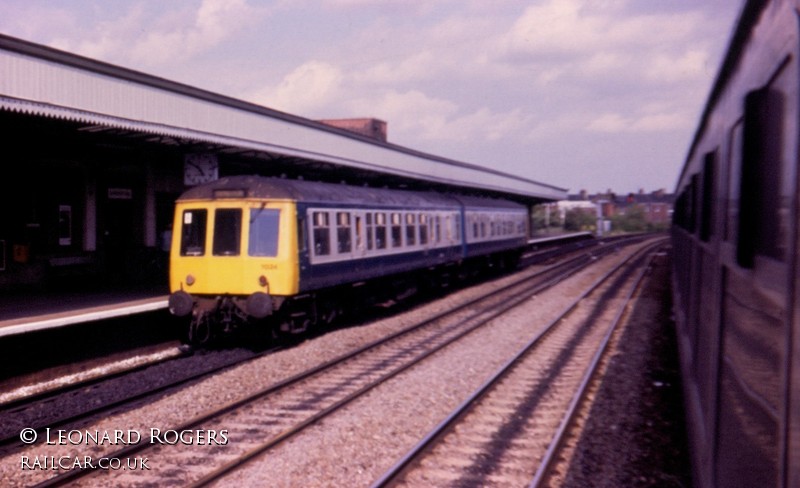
(635, 435)
(360, 443)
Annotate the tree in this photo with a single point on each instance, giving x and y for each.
(633, 220)
(578, 219)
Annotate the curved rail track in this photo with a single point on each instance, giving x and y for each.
(269, 417)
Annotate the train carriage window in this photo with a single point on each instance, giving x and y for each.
(193, 233)
(322, 234)
(437, 229)
(733, 185)
(370, 233)
(765, 195)
(227, 232)
(411, 229)
(708, 196)
(423, 229)
(359, 232)
(397, 232)
(344, 240)
(264, 232)
(695, 198)
(380, 230)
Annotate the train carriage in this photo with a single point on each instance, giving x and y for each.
(247, 248)
(735, 280)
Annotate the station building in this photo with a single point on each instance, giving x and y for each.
(96, 154)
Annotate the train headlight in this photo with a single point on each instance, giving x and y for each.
(262, 280)
(189, 280)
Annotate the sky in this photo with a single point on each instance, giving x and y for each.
(582, 94)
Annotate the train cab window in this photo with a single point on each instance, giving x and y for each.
(193, 233)
(411, 229)
(765, 195)
(380, 230)
(227, 232)
(397, 233)
(423, 229)
(321, 234)
(263, 232)
(344, 242)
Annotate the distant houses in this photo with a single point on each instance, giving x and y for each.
(634, 212)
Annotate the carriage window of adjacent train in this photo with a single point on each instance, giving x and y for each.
(263, 232)
(193, 233)
(322, 234)
(343, 235)
(370, 232)
(411, 225)
(380, 231)
(423, 229)
(227, 231)
(437, 226)
(397, 233)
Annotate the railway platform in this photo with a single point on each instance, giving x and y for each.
(29, 311)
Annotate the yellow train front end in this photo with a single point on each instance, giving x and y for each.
(232, 260)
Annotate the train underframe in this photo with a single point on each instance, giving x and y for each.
(213, 317)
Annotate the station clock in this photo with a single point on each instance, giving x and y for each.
(199, 168)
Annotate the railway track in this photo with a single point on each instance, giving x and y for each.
(510, 431)
(76, 403)
(57, 407)
(269, 417)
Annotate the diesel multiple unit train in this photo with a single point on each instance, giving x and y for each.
(736, 266)
(296, 253)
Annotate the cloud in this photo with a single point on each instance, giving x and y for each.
(308, 90)
(576, 38)
(213, 22)
(147, 38)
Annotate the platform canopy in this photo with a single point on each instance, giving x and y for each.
(44, 82)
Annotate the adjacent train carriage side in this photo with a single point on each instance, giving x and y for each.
(355, 234)
(496, 230)
(735, 262)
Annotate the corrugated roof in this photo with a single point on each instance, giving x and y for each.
(38, 80)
